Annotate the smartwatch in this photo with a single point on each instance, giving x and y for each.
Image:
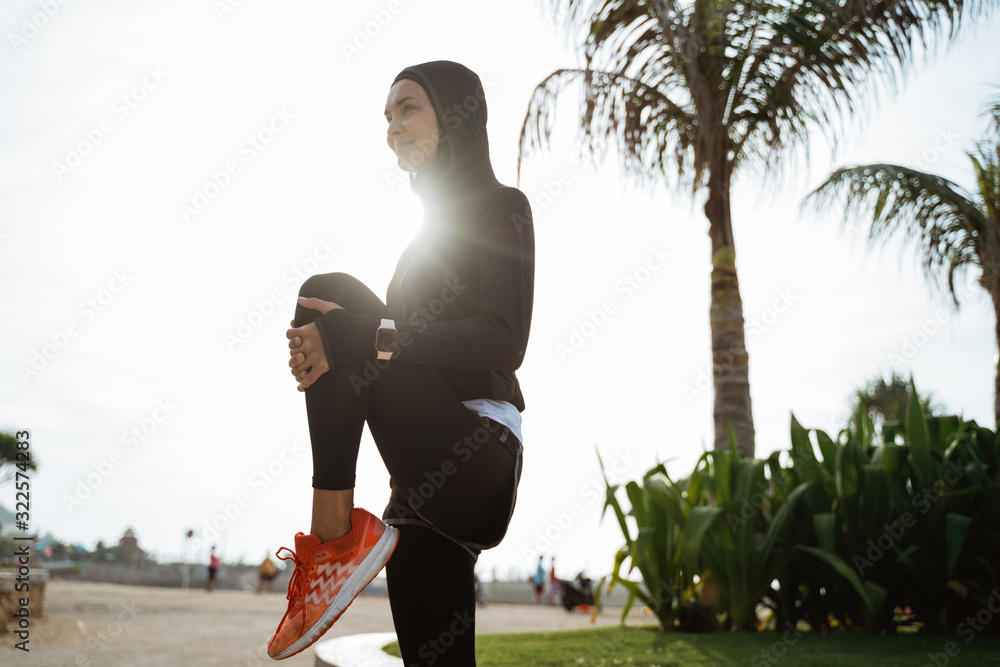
(386, 339)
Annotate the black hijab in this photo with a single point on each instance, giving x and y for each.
(461, 174)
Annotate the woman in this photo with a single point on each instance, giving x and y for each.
(213, 570)
(431, 371)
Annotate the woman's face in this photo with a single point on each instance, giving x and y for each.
(413, 131)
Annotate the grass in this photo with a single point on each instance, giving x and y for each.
(630, 645)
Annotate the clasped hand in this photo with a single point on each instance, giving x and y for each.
(308, 358)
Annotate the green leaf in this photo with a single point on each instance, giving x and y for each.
(956, 528)
(919, 439)
(662, 492)
(803, 455)
(838, 564)
(635, 590)
(779, 520)
(721, 477)
(629, 603)
(699, 521)
(847, 478)
(873, 507)
(599, 593)
(635, 496)
(943, 430)
(828, 448)
(620, 559)
(611, 500)
(825, 525)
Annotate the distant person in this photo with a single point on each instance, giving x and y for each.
(431, 373)
(213, 569)
(538, 581)
(553, 584)
(480, 592)
(266, 572)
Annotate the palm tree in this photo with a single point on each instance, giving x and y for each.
(9, 463)
(886, 403)
(9, 457)
(693, 92)
(952, 230)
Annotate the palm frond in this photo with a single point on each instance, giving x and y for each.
(753, 77)
(985, 160)
(648, 129)
(992, 111)
(828, 60)
(950, 232)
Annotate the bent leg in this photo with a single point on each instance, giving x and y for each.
(346, 291)
(336, 411)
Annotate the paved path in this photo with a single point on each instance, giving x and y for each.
(109, 625)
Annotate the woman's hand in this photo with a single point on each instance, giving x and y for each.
(308, 358)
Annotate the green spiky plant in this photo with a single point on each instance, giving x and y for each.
(727, 519)
(660, 511)
(918, 520)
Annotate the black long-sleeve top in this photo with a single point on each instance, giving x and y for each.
(461, 297)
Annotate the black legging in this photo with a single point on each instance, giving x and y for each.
(448, 468)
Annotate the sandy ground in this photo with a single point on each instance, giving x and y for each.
(109, 625)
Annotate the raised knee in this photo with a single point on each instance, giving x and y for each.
(323, 285)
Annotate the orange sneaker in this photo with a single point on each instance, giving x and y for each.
(327, 578)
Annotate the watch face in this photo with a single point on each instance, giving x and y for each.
(385, 340)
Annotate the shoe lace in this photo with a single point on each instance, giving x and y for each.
(296, 584)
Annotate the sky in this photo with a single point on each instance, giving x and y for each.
(171, 172)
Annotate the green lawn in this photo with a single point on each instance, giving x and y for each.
(645, 646)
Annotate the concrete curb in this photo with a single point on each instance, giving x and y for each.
(357, 651)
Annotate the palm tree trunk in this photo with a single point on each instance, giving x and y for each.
(996, 378)
(730, 361)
